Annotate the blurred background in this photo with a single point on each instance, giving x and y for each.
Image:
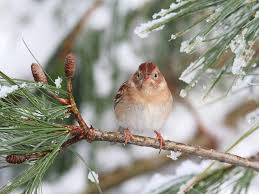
(101, 34)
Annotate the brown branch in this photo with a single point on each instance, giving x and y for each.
(117, 137)
(111, 179)
(174, 146)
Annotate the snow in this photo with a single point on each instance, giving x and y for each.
(6, 90)
(242, 82)
(173, 7)
(253, 117)
(124, 6)
(102, 77)
(100, 19)
(243, 53)
(174, 155)
(181, 125)
(183, 93)
(190, 72)
(125, 50)
(161, 13)
(173, 36)
(187, 167)
(187, 46)
(73, 181)
(143, 30)
(93, 177)
(58, 82)
(88, 113)
(119, 156)
(40, 31)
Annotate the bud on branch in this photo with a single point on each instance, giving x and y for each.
(38, 73)
(70, 65)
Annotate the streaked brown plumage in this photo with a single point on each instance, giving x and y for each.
(143, 102)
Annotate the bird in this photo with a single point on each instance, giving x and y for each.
(143, 102)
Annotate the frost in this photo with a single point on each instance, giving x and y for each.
(179, 3)
(6, 90)
(146, 28)
(257, 14)
(190, 72)
(243, 53)
(173, 7)
(174, 155)
(187, 46)
(58, 82)
(183, 93)
(93, 177)
(161, 13)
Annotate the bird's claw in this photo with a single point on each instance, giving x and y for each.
(160, 139)
(127, 136)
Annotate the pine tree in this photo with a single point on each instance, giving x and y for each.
(34, 115)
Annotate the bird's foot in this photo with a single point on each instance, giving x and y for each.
(160, 139)
(127, 136)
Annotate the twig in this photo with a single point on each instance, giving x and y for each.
(117, 137)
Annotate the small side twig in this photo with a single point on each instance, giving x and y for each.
(70, 65)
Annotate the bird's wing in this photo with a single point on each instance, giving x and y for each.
(122, 90)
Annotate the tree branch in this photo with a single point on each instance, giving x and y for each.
(109, 180)
(174, 146)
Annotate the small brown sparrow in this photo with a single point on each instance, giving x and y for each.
(143, 102)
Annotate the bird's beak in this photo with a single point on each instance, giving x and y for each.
(146, 77)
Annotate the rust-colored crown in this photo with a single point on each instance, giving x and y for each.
(147, 67)
(38, 73)
(70, 65)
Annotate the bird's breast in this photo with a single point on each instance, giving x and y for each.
(145, 116)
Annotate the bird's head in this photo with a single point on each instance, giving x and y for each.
(148, 78)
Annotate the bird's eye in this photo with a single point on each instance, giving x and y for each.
(155, 75)
(138, 75)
